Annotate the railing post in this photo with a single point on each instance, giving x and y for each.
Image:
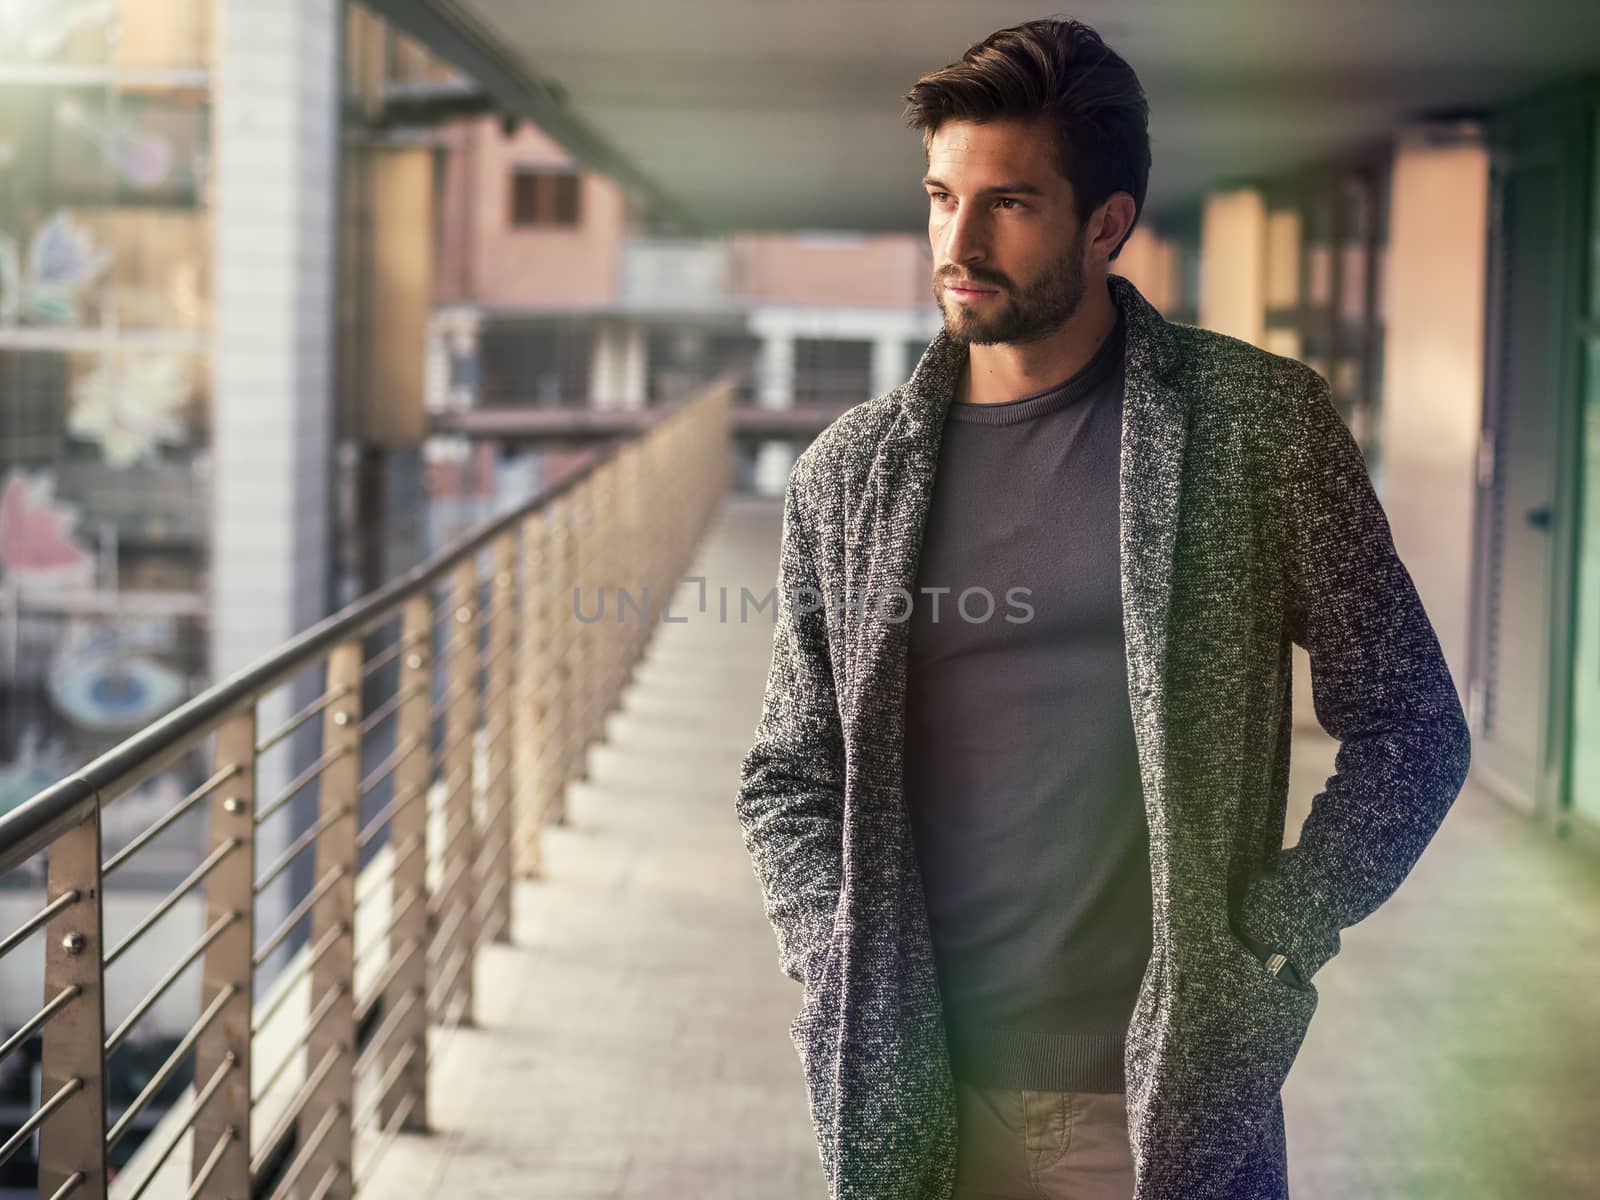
(677, 508)
(626, 630)
(496, 875)
(601, 631)
(338, 795)
(568, 649)
(625, 625)
(725, 437)
(585, 649)
(534, 747)
(72, 1140)
(611, 630)
(408, 902)
(618, 633)
(637, 550)
(230, 897)
(656, 518)
(456, 934)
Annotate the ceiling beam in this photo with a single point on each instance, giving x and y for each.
(449, 32)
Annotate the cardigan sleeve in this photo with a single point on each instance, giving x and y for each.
(790, 803)
(1380, 686)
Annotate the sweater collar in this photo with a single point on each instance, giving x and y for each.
(1150, 350)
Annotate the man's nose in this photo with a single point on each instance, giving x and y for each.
(964, 238)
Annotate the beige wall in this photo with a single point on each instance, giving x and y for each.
(1433, 374)
(484, 259)
(894, 270)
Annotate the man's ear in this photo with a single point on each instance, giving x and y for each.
(1110, 222)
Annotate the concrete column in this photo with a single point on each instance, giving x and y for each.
(775, 387)
(461, 344)
(774, 461)
(1148, 261)
(436, 368)
(1233, 250)
(633, 362)
(888, 362)
(618, 366)
(1282, 277)
(275, 125)
(603, 374)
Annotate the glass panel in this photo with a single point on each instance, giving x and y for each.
(105, 431)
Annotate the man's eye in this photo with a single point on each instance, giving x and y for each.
(938, 197)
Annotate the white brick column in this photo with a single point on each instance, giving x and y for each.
(275, 146)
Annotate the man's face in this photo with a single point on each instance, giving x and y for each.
(1001, 219)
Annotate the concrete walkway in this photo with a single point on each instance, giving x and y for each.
(632, 1042)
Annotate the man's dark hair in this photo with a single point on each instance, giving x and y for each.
(1063, 72)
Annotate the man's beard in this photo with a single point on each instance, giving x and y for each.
(1027, 316)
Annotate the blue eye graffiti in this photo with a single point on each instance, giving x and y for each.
(110, 688)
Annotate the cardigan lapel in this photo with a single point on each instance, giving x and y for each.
(899, 491)
(1154, 432)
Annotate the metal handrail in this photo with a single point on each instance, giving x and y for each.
(38, 821)
(389, 963)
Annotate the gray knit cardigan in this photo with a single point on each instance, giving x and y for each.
(1247, 521)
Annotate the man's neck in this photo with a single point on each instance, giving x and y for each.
(996, 374)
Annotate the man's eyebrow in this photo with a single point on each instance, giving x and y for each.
(1017, 189)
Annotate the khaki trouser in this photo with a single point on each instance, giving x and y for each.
(1017, 1144)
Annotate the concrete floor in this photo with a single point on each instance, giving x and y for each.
(633, 1042)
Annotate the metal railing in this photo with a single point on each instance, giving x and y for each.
(525, 691)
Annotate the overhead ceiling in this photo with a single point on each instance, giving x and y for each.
(759, 115)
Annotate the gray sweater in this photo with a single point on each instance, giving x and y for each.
(1021, 770)
(1248, 524)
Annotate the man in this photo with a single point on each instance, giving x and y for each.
(1023, 851)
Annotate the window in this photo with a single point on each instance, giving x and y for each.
(535, 364)
(542, 197)
(832, 371)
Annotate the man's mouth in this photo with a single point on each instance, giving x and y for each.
(968, 294)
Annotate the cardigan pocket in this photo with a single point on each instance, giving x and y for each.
(1240, 947)
(1244, 1026)
(1239, 1030)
